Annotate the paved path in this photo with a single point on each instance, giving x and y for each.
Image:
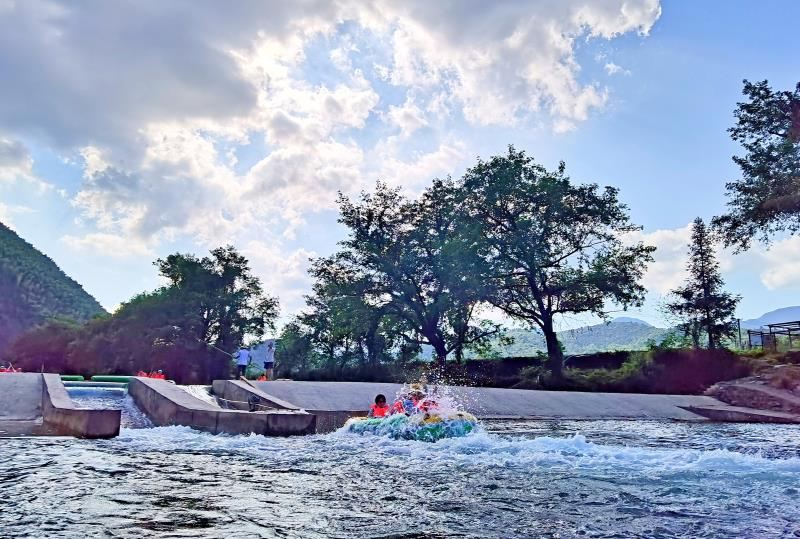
(497, 403)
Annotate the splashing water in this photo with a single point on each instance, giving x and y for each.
(433, 415)
(537, 479)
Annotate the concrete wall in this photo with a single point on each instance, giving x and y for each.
(237, 391)
(63, 418)
(494, 403)
(167, 404)
(20, 396)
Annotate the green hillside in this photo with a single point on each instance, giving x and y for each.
(33, 288)
(616, 335)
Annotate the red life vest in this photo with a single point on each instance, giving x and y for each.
(379, 411)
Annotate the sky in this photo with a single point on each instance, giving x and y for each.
(132, 130)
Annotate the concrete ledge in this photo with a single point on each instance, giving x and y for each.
(738, 414)
(241, 392)
(167, 404)
(238, 391)
(63, 418)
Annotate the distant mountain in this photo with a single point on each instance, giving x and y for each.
(631, 320)
(619, 334)
(786, 314)
(622, 333)
(33, 288)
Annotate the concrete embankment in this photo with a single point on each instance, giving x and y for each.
(38, 404)
(167, 404)
(334, 402)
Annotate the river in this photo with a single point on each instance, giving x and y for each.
(522, 479)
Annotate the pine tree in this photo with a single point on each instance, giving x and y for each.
(701, 303)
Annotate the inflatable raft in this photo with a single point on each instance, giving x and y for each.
(423, 427)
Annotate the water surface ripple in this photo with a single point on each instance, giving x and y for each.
(525, 479)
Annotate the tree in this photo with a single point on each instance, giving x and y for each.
(409, 260)
(295, 350)
(209, 301)
(228, 300)
(549, 247)
(701, 303)
(766, 199)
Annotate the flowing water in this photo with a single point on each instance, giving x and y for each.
(522, 479)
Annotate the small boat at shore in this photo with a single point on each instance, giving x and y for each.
(423, 427)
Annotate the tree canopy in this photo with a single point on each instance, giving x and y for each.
(408, 260)
(766, 199)
(549, 247)
(209, 302)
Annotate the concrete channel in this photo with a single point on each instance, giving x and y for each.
(33, 404)
(167, 404)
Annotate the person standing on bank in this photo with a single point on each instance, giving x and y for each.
(269, 359)
(242, 361)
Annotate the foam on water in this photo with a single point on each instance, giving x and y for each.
(480, 450)
(603, 481)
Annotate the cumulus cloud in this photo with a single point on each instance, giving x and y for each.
(780, 263)
(156, 99)
(511, 60)
(668, 270)
(108, 245)
(612, 69)
(283, 272)
(407, 117)
(15, 160)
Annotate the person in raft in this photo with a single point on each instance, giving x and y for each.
(380, 408)
(242, 361)
(407, 403)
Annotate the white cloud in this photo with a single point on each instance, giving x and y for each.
(282, 272)
(408, 117)
(781, 263)
(612, 69)
(155, 97)
(668, 270)
(8, 211)
(510, 61)
(108, 245)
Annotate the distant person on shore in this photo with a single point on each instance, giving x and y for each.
(242, 361)
(269, 359)
(380, 408)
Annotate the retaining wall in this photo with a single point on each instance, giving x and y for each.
(167, 404)
(62, 418)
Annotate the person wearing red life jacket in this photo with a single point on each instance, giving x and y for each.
(380, 408)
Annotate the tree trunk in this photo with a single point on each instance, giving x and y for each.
(554, 353)
(441, 354)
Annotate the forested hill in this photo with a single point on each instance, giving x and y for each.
(623, 334)
(33, 288)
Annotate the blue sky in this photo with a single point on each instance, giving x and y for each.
(127, 135)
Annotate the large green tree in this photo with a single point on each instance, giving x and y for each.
(766, 199)
(224, 301)
(410, 261)
(209, 304)
(549, 247)
(701, 304)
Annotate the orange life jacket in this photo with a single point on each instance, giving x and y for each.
(379, 411)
